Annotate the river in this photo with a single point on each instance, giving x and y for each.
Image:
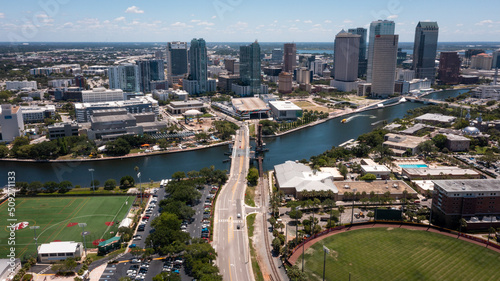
(294, 146)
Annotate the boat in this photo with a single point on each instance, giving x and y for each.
(343, 121)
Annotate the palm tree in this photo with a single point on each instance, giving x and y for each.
(341, 211)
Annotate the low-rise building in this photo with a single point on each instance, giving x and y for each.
(56, 251)
(143, 104)
(250, 108)
(363, 189)
(400, 144)
(11, 122)
(102, 95)
(457, 143)
(179, 107)
(37, 114)
(60, 130)
(440, 172)
(19, 85)
(456, 199)
(285, 110)
(297, 179)
(380, 171)
(436, 119)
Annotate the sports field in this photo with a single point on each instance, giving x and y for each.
(58, 218)
(399, 254)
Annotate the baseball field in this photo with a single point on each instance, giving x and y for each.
(399, 254)
(59, 219)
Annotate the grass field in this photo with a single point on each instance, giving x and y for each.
(400, 254)
(310, 106)
(57, 217)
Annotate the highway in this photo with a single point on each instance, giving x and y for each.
(230, 232)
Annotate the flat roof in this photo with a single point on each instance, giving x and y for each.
(454, 171)
(436, 117)
(112, 118)
(247, 104)
(414, 129)
(284, 105)
(375, 168)
(476, 185)
(403, 140)
(425, 184)
(58, 247)
(377, 186)
(186, 102)
(456, 137)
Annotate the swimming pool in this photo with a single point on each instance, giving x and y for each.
(410, 166)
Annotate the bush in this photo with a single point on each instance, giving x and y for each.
(27, 277)
(110, 184)
(368, 177)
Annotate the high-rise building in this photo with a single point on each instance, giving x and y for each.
(401, 56)
(285, 83)
(303, 75)
(125, 77)
(380, 27)
(346, 61)
(177, 61)
(11, 121)
(449, 68)
(277, 56)
(232, 66)
(289, 57)
(496, 59)
(250, 66)
(150, 70)
(385, 48)
(362, 63)
(197, 81)
(481, 61)
(424, 50)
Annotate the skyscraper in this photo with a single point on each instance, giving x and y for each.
(385, 48)
(424, 50)
(346, 61)
(289, 57)
(380, 27)
(496, 59)
(362, 62)
(150, 70)
(449, 68)
(125, 77)
(177, 61)
(250, 66)
(198, 79)
(277, 55)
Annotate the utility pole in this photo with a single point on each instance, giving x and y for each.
(35, 227)
(83, 225)
(326, 251)
(92, 174)
(352, 213)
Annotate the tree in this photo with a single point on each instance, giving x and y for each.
(64, 186)
(110, 184)
(70, 264)
(118, 147)
(368, 177)
(253, 176)
(4, 151)
(341, 211)
(126, 233)
(126, 182)
(167, 276)
(94, 184)
(34, 187)
(426, 147)
(440, 141)
(295, 274)
(296, 215)
(178, 175)
(51, 186)
(343, 170)
(276, 244)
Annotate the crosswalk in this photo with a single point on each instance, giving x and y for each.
(108, 273)
(234, 221)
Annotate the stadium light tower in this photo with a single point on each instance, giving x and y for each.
(35, 227)
(92, 175)
(83, 225)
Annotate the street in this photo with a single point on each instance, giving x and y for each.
(230, 232)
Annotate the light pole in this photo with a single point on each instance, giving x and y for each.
(35, 227)
(92, 174)
(326, 251)
(352, 213)
(140, 185)
(303, 243)
(83, 225)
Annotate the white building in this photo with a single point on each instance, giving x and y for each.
(102, 95)
(164, 95)
(487, 92)
(285, 110)
(11, 122)
(193, 86)
(420, 84)
(56, 251)
(60, 83)
(405, 74)
(18, 85)
(380, 171)
(62, 68)
(141, 104)
(125, 77)
(96, 70)
(37, 114)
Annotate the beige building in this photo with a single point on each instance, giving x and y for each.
(457, 143)
(364, 188)
(285, 82)
(481, 61)
(401, 143)
(439, 173)
(384, 65)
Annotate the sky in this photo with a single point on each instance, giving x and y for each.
(238, 20)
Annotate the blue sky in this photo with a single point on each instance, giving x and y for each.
(238, 20)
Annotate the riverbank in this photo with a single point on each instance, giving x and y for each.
(128, 156)
(333, 116)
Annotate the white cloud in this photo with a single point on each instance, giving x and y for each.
(134, 10)
(241, 24)
(483, 22)
(44, 19)
(120, 19)
(328, 21)
(206, 23)
(214, 17)
(67, 25)
(195, 20)
(106, 22)
(179, 24)
(2, 15)
(392, 17)
(308, 21)
(297, 20)
(317, 25)
(460, 24)
(347, 21)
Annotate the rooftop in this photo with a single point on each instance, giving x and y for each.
(245, 104)
(284, 105)
(58, 247)
(476, 185)
(435, 117)
(403, 140)
(301, 177)
(377, 186)
(454, 171)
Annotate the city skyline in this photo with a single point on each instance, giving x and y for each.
(234, 21)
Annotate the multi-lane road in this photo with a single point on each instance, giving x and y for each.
(230, 231)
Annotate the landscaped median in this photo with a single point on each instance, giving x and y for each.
(255, 264)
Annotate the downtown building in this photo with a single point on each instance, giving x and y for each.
(250, 63)
(449, 68)
(380, 27)
(149, 71)
(424, 50)
(362, 61)
(11, 122)
(125, 77)
(177, 62)
(346, 61)
(289, 57)
(385, 48)
(197, 81)
(144, 104)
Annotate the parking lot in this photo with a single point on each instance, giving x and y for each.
(475, 161)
